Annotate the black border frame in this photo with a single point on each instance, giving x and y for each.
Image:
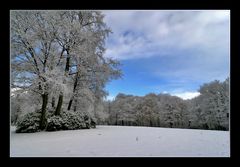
(104, 5)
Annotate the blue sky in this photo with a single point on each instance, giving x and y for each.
(164, 51)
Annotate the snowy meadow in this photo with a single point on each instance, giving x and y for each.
(122, 141)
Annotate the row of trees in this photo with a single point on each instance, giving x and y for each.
(57, 62)
(209, 110)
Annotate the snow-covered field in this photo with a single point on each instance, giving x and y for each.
(121, 141)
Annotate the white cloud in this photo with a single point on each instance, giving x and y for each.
(110, 97)
(154, 32)
(186, 95)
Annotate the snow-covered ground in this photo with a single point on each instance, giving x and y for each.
(121, 141)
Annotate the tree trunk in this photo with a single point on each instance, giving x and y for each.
(53, 102)
(67, 61)
(70, 104)
(59, 105)
(67, 64)
(116, 120)
(43, 114)
(74, 89)
(159, 124)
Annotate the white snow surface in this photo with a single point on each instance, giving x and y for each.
(121, 141)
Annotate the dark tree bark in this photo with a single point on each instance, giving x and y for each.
(74, 89)
(53, 102)
(70, 104)
(159, 124)
(59, 105)
(67, 61)
(150, 123)
(116, 123)
(43, 114)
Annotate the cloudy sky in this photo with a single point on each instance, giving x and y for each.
(164, 51)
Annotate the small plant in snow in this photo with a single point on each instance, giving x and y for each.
(69, 120)
(73, 120)
(54, 123)
(29, 123)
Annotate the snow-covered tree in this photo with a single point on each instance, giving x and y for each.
(215, 104)
(31, 46)
(147, 110)
(211, 108)
(122, 109)
(59, 56)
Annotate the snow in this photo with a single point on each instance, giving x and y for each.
(121, 141)
(13, 91)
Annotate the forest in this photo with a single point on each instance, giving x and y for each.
(59, 74)
(209, 110)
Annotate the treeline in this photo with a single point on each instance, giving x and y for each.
(209, 110)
